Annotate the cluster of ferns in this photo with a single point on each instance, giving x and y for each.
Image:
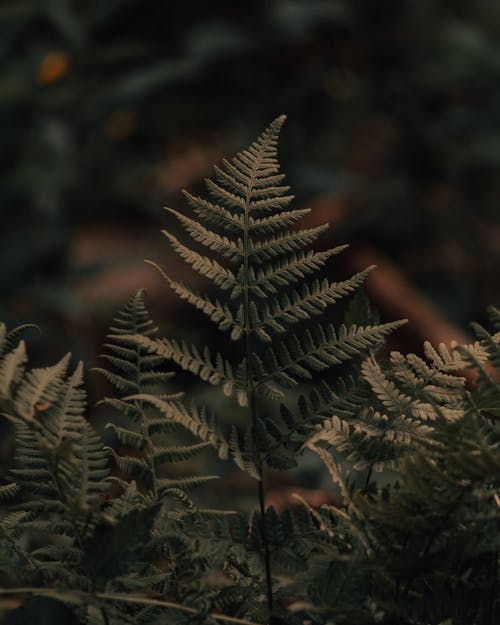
(104, 536)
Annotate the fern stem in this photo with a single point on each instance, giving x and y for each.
(262, 506)
(20, 552)
(257, 458)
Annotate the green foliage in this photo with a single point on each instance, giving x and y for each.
(134, 375)
(107, 535)
(432, 523)
(270, 279)
(272, 287)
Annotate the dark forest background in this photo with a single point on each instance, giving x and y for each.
(108, 109)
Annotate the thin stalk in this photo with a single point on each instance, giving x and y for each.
(262, 506)
(71, 595)
(257, 458)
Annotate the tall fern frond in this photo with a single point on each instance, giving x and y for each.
(253, 250)
(246, 228)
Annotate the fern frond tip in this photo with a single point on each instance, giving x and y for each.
(158, 268)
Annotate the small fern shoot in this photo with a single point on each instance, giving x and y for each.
(133, 373)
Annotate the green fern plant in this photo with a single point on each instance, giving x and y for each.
(412, 448)
(269, 273)
(432, 522)
(66, 528)
(59, 477)
(133, 371)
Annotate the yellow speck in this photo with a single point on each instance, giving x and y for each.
(52, 67)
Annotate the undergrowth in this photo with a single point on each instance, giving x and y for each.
(106, 535)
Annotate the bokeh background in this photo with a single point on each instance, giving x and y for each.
(108, 109)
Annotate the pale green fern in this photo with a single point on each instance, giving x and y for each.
(270, 278)
(267, 273)
(412, 446)
(134, 372)
(60, 470)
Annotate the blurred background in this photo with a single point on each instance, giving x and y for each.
(108, 109)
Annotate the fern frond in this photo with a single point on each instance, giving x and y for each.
(269, 225)
(274, 201)
(126, 436)
(70, 449)
(134, 315)
(250, 203)
(285, 243)
(10, 339)
(243, 456)
(11, 368)
(151, 411)
(296, 306)
(8, 492)
(12, 522)
(40, 387)
(213, 241)
(489, 342)
(246, 223)
(178, 453)
(321, 348)
(211, 269)
(215, 215)
(184, 483)
(445, 360)
(212, 369)
(60, 470)
(218, 313)
(120, 382)
(267, 279)
(393, 399)
(486, 361)
(202, 425)
(137, 467)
